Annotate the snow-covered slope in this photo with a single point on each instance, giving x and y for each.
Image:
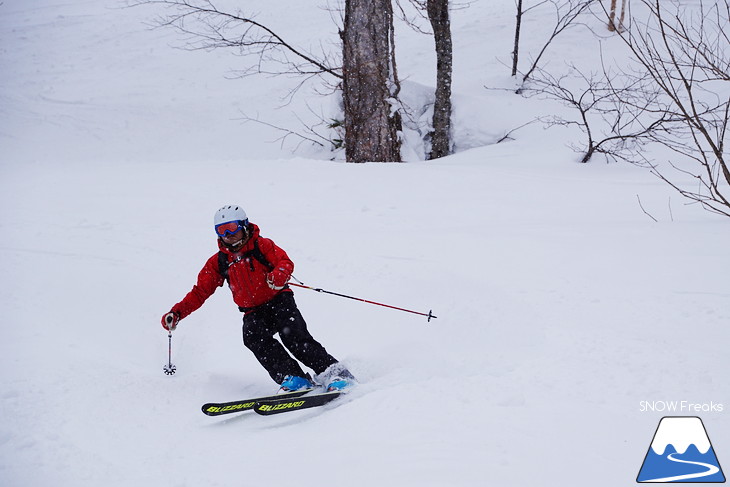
(560, 304)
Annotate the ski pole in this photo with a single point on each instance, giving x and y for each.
(169, 368)
(319, 290)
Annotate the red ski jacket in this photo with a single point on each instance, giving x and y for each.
(246, 275)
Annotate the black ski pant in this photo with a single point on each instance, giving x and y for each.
(281, 315)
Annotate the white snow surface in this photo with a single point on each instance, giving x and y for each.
(561, 305)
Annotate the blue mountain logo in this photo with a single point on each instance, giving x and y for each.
(681, 452)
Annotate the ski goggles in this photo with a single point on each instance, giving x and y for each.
(228, 228)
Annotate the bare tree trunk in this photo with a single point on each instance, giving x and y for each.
(612, 25)
(438, 14)
(518, 27)
(612, 16)
(371, 132)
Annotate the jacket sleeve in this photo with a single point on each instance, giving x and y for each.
(276, 256)
(209, 279)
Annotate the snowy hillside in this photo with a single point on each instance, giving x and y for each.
(561, 305)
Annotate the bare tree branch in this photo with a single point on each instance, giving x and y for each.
(206, 27)
(682, 59)
(642, 209)
(566, 13)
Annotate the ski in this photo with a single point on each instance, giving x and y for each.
(218, 408)
(277, 404)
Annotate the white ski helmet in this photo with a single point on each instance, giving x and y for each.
(230, 213)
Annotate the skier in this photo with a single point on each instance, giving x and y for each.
(257, 271)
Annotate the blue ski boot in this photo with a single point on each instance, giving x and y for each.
(341, 382)
(292, 383)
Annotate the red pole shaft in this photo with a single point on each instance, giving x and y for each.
(429, 314)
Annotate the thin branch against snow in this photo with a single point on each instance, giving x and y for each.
(206, 27)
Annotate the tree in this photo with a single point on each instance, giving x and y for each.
(438, 15)
(682, 60)
(518, 30)
(367, 76)
(610, 126)
(370, 82)
(675, 94)
(566, 14)
(612, 25)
